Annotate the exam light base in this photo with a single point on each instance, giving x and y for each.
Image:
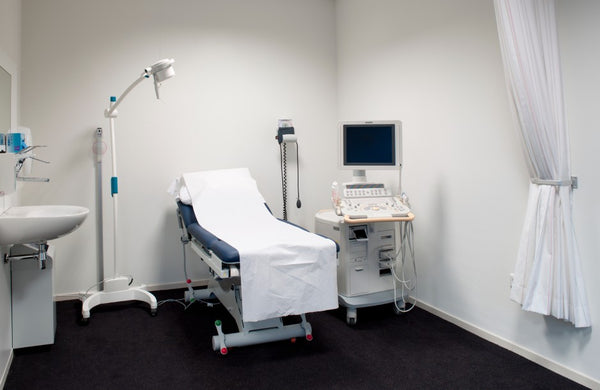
(118, 290)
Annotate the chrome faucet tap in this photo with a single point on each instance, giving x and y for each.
(20, 162)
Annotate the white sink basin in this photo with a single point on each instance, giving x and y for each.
(37, 224)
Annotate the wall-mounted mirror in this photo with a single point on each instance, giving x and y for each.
(5, 94)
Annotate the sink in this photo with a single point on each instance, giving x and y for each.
(38, 224)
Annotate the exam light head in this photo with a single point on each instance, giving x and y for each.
(161, 71)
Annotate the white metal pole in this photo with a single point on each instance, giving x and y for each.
(111, 113)
(114, 191)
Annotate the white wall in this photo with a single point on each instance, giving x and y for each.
(436, 66)
(10, 60)
(240, 67)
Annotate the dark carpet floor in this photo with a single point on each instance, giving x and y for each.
(123, 347)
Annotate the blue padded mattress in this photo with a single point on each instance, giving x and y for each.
(223, 250)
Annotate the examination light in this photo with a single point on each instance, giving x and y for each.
(161, 70)
(118, 288)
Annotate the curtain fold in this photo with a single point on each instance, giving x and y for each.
(548, 277)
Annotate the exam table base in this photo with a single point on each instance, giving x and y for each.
(117, 290)
(250, 333)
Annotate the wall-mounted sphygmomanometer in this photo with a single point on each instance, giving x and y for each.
(286, 135)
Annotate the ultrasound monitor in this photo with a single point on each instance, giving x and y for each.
(370, 145)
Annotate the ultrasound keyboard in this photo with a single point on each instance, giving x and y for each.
(370, 200)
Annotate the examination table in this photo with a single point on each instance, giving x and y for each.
(262, 269)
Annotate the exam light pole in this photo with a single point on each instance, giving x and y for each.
(117, 288)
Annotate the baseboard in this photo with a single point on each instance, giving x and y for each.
(6, 369)
(174, 286)
(149, 287)
(560, 369)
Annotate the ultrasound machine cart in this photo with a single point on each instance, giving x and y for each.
(368, 246)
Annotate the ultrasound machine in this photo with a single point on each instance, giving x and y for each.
(371, 224)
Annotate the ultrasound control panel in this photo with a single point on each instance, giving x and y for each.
(361, 190)
(370, 200)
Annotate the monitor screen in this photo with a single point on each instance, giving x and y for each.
(370, 145)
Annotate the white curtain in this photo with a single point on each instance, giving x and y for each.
(548, 277)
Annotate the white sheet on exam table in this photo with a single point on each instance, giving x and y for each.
(284, 270)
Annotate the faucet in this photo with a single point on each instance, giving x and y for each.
(22, 160)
